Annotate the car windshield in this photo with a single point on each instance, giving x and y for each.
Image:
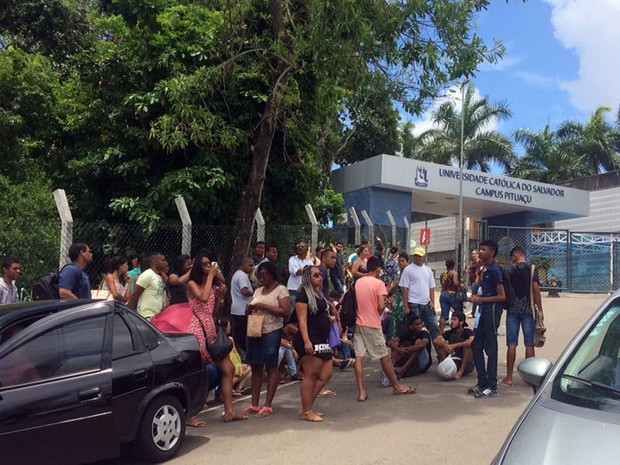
(591, 376)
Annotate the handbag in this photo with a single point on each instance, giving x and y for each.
(255, 325)
(334, 335)
(221, 347)
(461, 294)
(539, 322)
(100, 293)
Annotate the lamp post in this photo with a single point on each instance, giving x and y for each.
(461, 232)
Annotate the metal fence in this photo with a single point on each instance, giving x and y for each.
(580, 262)
(577, 261)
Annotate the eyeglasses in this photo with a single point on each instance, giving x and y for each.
(317, 275)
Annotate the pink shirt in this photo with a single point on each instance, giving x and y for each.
(367, 291)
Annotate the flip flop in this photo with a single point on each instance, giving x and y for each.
(195, 422)
(364, 399)
(251, 409)
(504, 383)
(410, 390)
(264, 412)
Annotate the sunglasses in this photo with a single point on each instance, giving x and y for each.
(317, 275)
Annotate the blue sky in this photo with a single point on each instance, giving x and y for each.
(562, 60)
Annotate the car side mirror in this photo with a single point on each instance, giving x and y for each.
(534, 370)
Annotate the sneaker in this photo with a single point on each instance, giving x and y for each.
(475, 390)
(488, 392)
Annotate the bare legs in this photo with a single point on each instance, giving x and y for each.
(317, 373)
(228, 372)
(511, 357)
(388, 369)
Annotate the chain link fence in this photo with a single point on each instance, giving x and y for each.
(580, 262)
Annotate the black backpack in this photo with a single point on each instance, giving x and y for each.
(348, 312)
(46, 287)
(509, 291)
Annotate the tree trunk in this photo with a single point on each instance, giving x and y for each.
(253, 191)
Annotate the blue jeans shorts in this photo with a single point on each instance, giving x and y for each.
(516, 321)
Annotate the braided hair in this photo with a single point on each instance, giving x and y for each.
(306, 285)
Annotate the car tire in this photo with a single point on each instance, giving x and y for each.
(161, 431)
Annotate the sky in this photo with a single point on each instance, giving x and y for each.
(562, 61)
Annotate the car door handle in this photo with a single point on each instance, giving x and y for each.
(139, 375)
(89, 394)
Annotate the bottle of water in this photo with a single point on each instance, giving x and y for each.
(385, 382)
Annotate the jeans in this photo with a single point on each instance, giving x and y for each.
(338, 284)
(485, 341)
(293, 296)
(287, 354)
(428, 316)
(447, 300)
(214, 378)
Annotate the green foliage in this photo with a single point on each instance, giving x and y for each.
(329, 208)
(31, 230)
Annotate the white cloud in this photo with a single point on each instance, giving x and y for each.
(590, 28)
(537, 79)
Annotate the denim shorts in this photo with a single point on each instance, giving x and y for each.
(515, 321)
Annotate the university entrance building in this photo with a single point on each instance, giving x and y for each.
(512, 211)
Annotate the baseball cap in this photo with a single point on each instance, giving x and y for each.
(419, 251)
(461, 317)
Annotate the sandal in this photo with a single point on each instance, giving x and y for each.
(235, 417)
(311, 416)
(326, 393)
(195, 422)
(264, 412)
(409, 390)
(251, 409)
(301, 412)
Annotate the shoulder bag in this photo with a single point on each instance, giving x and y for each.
(539, 322)
(221, 347)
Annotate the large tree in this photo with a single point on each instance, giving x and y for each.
(469, 119)
(234, 105)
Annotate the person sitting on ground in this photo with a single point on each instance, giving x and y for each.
(457, 343)
(411, 349)
(288, 354)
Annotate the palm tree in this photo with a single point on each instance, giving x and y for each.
(481, 147)
(548, 157)
(597, 141)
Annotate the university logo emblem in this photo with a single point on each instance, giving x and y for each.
(421, 177)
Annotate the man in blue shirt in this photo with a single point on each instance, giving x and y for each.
(489, 298)
(73, 281)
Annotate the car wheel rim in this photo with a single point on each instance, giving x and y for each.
(166, 428)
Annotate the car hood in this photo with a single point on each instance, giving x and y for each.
(562, 436)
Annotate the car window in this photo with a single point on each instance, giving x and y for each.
(123, 343)
(591, 376)
(149, 336)
(70, 348)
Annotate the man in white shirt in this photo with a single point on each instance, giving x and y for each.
(418, 287)
(241, 294)
(296, 265)
(11, 270)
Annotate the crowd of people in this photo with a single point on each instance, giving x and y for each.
(285, 323)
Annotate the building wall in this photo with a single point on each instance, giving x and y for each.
(604, 214)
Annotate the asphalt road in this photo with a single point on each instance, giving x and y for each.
(440, 424)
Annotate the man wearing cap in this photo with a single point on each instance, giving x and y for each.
(457, 342)
(411, 349)
(417, 284)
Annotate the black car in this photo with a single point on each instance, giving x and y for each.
(79, 379)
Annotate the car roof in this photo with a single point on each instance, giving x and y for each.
(7, 312)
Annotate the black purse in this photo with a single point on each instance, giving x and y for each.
(461, 294)
(221, 347)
